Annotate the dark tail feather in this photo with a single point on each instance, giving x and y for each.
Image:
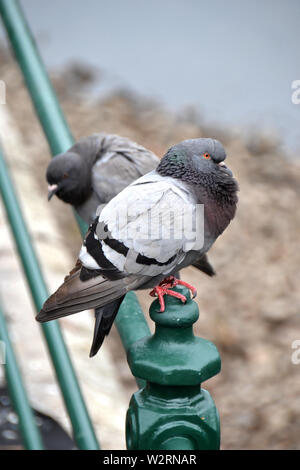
(204, 265)
(75, 296)
(104, 318)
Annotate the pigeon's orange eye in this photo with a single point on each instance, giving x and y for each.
(206, 155)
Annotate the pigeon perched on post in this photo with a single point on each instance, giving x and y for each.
(92, 172)
(120, 253)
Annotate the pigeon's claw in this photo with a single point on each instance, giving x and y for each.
(164, 289)
(173, 281)
(160, 291)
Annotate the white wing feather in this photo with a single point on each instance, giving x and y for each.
(141, 217)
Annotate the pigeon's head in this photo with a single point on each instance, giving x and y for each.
(200, 164)
(68, 178)
(194, 158)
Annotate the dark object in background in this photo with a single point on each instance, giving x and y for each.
(54, 437)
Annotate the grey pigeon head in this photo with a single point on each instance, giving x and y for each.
(200, 164)
(194, 157)
(69, 178)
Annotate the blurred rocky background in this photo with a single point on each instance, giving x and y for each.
(250, 310)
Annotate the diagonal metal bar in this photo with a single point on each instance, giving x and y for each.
(82, 428)
(27, 426)
(58, 135)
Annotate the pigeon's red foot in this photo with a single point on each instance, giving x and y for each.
(164, 289)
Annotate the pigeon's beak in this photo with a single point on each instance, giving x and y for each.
(225, 168)
(52, 189)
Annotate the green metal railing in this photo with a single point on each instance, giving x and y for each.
(171, 411)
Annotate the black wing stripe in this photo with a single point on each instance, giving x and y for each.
(94, 248)
(116, 245)
(141, 259)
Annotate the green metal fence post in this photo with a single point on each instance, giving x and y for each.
(173, 411)
(28, 429)
(82, 428)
